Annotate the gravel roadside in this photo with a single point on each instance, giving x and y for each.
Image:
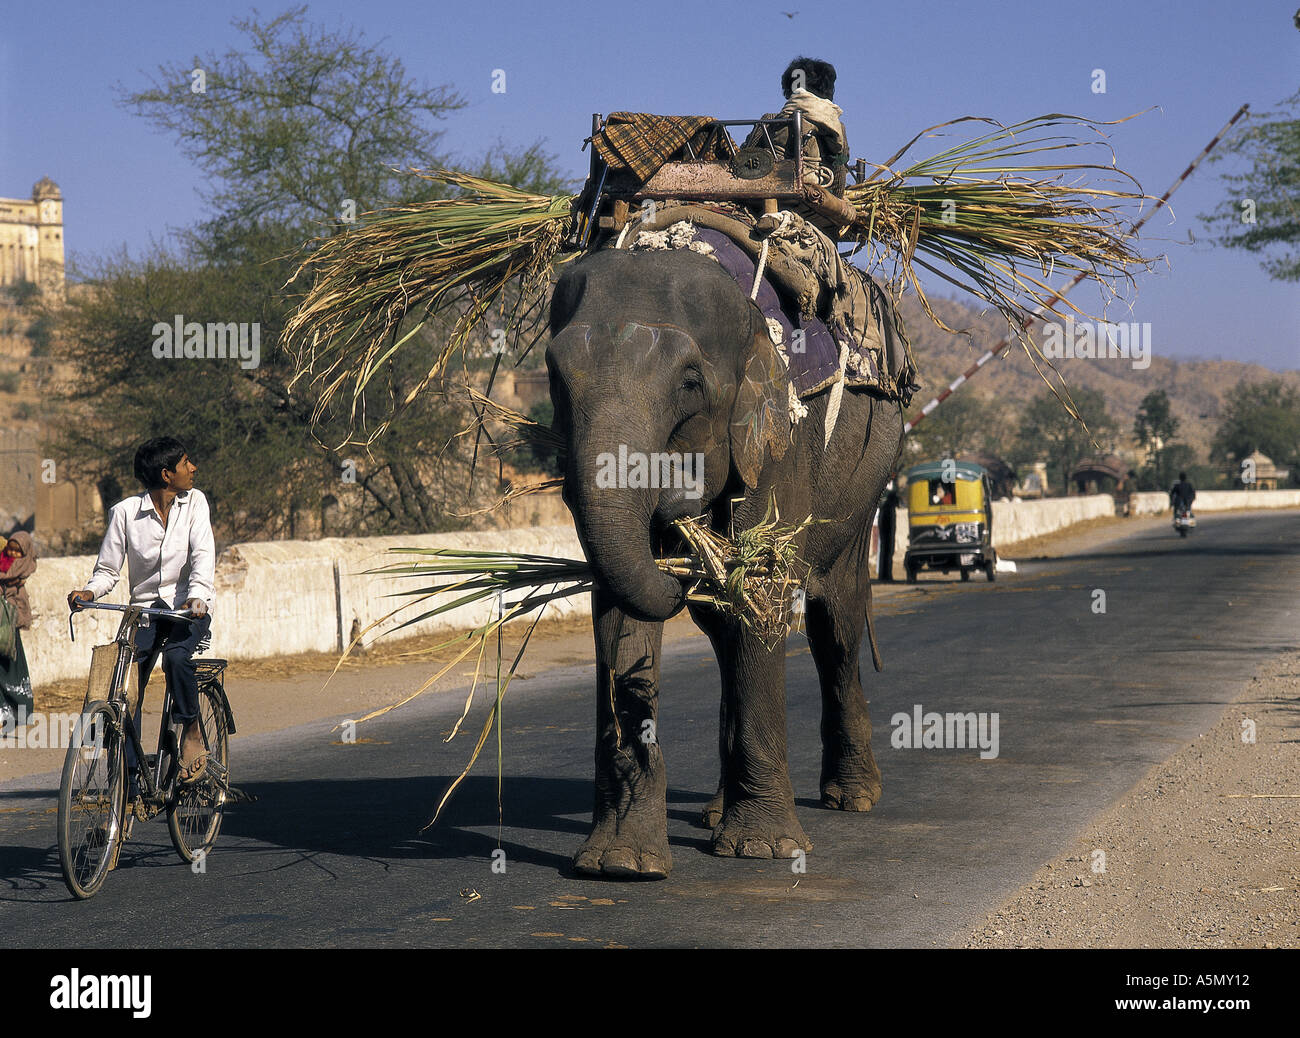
(1204, 852)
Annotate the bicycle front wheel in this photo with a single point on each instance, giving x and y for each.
(92, 798)
(195, 812)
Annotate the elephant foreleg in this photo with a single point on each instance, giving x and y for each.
(758, 818)
(712, 813)
(629, 833)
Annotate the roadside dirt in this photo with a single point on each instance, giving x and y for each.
(1204, 852)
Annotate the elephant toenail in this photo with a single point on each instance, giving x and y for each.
(619, 860)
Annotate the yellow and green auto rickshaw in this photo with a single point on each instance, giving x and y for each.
(950, 519)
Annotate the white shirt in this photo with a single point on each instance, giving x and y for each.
(175, 564)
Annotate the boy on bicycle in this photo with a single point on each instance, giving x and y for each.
(164, 535)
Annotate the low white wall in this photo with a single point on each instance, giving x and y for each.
(50, 655)
(368, 597)
(1018, 520)
(285, 597)
(1217, 501)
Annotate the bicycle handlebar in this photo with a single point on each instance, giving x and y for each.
(171, 614)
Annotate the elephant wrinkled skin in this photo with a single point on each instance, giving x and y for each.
(661, 354)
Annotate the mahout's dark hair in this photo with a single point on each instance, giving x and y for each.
(1182, 477)
(818, 77)
(162, 452)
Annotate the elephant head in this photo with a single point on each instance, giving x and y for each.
(670, 396)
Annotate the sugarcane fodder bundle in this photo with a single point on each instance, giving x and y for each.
(998, 216)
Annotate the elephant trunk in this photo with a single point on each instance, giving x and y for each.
(614, 525)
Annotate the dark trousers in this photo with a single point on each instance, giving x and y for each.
(176, 640)
(885, 552)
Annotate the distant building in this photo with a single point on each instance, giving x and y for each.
(31, 238)
(34, 497)
(1102, 474)
(1002, 476)
(1258, 465)
(35, 493)
(1105, 474)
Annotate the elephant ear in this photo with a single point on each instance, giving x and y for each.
(761, 416)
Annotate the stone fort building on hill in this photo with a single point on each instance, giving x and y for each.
(31, 237)
(32, 251)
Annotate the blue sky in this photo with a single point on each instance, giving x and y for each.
(902, 67)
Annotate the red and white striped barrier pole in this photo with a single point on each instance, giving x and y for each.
(1060, 293)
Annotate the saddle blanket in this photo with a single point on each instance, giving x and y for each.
(878, 358)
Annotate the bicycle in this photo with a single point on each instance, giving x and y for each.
(95, 819)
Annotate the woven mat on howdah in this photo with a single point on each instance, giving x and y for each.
(641, 142)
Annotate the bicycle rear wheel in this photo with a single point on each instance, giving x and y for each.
(92, 798)
(195, 812)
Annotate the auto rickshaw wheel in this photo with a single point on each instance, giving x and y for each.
(990, 569)
(911, 573)
(965, 573)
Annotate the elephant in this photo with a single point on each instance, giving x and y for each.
(662, 353)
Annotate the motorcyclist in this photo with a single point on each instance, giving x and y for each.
(1182, 494)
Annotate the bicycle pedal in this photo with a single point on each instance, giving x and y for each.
(117, 849)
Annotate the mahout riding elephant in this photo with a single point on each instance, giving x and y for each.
(659, 353)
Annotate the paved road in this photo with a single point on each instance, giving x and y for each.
(332, 855)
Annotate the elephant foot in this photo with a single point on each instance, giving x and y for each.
(759, 829)
(855, 797)
(632, 844)
(712, 813)
(851, 783)
(629, 831)
(619, 855)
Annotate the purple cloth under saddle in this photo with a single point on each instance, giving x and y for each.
(817, 365)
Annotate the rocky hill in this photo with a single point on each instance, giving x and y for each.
(1198, 389)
